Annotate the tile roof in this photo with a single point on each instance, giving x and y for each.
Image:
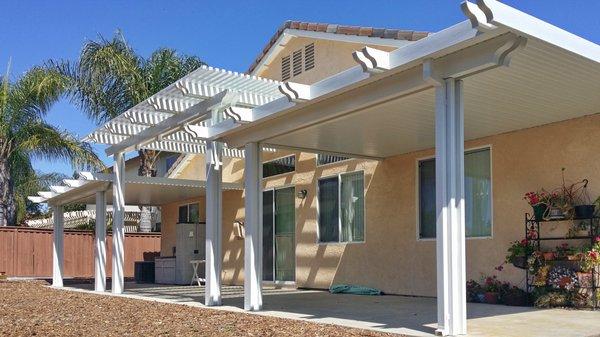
(384, 33)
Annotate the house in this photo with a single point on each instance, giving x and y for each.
(352, 119)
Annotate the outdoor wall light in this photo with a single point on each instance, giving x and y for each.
(302, 194)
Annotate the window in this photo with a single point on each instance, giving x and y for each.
(279, 166)
(300, 60)
(324, 159)
(478, 197)
(341, 208)
(189, 213)
(170, 161)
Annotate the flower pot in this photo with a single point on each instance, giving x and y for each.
(481, 297)
(584, 211)
(520, 262)
(549, 256)
(538, 211)
(490, 297)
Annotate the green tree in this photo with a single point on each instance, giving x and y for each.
(24, 135)
(111, 78)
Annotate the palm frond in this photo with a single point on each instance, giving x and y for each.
(43, 141)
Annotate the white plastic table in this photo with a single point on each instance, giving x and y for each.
(195, 277)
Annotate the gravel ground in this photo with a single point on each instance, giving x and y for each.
(33, 309)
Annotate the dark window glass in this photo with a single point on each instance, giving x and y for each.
(170, 161)
(183, 214)
(328, 210)
(279, 166)
(194, 213)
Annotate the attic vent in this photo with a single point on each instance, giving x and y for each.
(297, 62)
(285, 68)
(300, 60)
(309, 56)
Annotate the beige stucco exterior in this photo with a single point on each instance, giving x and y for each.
(392, 258)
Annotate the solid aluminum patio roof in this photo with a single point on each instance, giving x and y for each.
(518, 72)
(140, 191)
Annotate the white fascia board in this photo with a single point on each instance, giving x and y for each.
(60, 189)
(493, 12)
(96, 176)
(200, 110)
(36, 199)
(74, 182)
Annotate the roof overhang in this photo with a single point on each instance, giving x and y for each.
(141, 191)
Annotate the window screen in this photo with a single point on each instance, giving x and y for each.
(341, 208)
(279, 166)
(478, 201)
(324, 159)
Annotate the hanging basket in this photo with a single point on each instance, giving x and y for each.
(520, 262)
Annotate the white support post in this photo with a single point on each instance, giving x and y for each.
(118, 227)
(214, 220)
(58, 240)
(450, 203)
(100, 243)
(253, 227)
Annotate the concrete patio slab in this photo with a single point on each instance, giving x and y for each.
(410, 316)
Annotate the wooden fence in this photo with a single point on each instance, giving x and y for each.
(28, 252)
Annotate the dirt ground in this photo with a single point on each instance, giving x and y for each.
(34, 309)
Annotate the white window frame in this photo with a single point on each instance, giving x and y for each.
(417, 195)
(334, 163)
(275, 159)
(339, 178)
(187, 204)
(273, 189)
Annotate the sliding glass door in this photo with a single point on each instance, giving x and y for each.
(279, 223)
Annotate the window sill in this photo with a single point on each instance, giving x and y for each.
(467, 238)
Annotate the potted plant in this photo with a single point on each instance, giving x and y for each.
(491, 287)
(591, 257)
(583, 207)
(518, 252)
(549, 256)
(539, 202)
(474, 292)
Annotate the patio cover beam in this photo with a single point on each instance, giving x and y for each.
(196, 112)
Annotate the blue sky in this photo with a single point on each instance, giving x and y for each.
(225, 34)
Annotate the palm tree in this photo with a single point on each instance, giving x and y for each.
(24, 135)
(111, 78)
